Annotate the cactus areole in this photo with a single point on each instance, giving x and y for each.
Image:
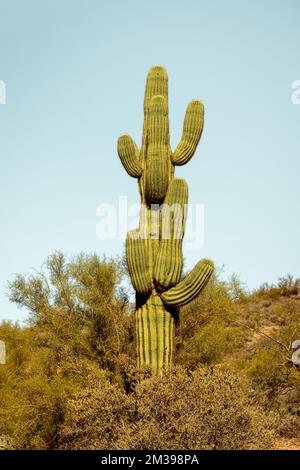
(154, 249)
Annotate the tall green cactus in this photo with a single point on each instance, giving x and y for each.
(154, 250)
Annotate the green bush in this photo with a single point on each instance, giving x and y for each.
(209, 345)
(206, 409)
(207, 330)
(69, 381)
(75, 309)
(78, 324)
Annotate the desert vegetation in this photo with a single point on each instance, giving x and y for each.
(70, 380)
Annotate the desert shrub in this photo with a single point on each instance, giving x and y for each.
(287, 424)
(275, 381)
(266, 291)
(70, 383)
(76, 310)
(267, 372)
(209, 345)
(214, 302)
(34, 389)
(98, 417)
(78, 324)
(207, 329)
(283, 313)
(269, 363)
(206, 409)
(31, 414)
(236, 288)
(288, 285)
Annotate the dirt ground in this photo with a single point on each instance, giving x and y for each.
(287, 444)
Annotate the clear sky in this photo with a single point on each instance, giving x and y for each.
(75, 74)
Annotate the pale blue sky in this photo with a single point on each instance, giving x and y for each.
(75, 74)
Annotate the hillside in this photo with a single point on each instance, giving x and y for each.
(70, 379)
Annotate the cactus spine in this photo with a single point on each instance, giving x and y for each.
(154, 250)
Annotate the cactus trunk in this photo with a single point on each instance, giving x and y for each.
(154, 250)
(154, 334)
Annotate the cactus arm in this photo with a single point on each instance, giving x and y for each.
(157, 161)
(129, 156)
(156, 85)
(192, 130)
(191, 286)
(137, 262)
(168, 265)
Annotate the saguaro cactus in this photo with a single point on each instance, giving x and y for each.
(154, 250)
